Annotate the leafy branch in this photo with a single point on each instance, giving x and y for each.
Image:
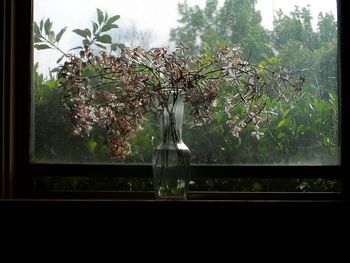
(45, 38)
(94, 35)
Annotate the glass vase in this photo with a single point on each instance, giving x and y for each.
(171, 158)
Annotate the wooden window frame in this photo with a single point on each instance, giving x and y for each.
(18, 172)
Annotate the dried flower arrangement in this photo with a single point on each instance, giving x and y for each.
(115, 91)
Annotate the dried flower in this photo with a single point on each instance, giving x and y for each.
(115, 92)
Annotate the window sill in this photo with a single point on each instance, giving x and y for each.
(194, 196)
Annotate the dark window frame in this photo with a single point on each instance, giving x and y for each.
(18, 172)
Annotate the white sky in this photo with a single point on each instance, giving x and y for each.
(157, 16)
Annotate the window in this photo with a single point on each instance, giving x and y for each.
(35, 176)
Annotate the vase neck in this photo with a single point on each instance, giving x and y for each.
(171, 120)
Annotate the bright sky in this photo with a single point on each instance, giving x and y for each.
(157, 16)
(267, 6)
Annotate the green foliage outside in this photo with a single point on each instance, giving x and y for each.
(303, 131)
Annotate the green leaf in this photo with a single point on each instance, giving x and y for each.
(331, 95)
(52, 83)
(218, 116)
(88, 32)
(43, 46)
(59, 35)
(92, 145)
(140, 68)
(106, 17)
(41, 79)
(86, 42)
(81, 33)
(101, 46)
(36, 39)
(41, 24)
(60, 59)
(300, 128)
(95, 27)
(113, 19)
(99, 16)
(108, 27)
(52, 37)
(47, 26)
(281, 123)
(36, 28)
(104, 39)
(88, 72)
(285, 113)
(54, 70)
(257, 187)
(79, 47)
(281, 135)
(115, 46)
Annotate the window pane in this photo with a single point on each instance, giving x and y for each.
(275, 36)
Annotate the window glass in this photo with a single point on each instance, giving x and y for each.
(278, 36)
